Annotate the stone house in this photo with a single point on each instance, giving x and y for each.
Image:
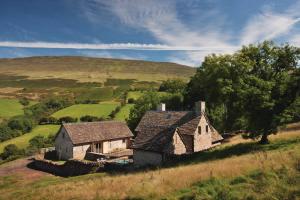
(75, 140)
(162, 134)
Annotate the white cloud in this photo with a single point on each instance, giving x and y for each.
(113, 46)
(295, 40)
(268, 25)
(161, 19)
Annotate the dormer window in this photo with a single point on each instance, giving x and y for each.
(199, 130)
(206, 128)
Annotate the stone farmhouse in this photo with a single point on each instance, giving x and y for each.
(76, 140)
(162, 134)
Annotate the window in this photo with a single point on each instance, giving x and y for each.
(98, 148)
(63, 134)
(199, 130)
(206, 128)
(66, 150)
(124, 140)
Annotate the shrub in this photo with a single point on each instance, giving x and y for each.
(48, 120)
(7, 133)
(89, 118)
(67, 119)
(131, 100)
(40, 141)
(21, 123)
(24, 101)
(10, 150)
(173, 86)
(114, 112)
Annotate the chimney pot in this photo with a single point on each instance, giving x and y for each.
(200, 107)
(161, 107)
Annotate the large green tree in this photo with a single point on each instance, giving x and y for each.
(256, 89)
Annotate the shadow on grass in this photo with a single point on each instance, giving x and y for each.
(204, 156)
(229, 151)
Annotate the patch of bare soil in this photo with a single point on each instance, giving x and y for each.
(20, 167)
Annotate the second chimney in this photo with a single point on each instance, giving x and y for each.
(200, 107)
(161, 107)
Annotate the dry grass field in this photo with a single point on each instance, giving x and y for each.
(284, 151)
(87, 69)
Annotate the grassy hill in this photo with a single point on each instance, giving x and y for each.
(79, 110)
(10, 108)
(93, 69)
(234, 171)
(23, 141)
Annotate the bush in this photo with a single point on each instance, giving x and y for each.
(7, 133)
(24, 101)
(173, 86)
(41, 141)
(48, 120)
(89, 118)
(87, 101)
(10, 150)
(131, 100)
(114, 112)
(21, 123)
(67, 119)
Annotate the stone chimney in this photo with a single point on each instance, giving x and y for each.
(200, 107)
(161, 107)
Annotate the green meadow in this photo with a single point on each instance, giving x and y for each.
(100, 110)
(124, 112)
(23, 141)
(10, 108)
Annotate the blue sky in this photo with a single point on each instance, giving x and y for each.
(181, 31)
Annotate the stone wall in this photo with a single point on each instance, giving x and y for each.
(110, 146)
(69, 168)
(202, 140)
(63, 145)
(79, 151)
(177, 146)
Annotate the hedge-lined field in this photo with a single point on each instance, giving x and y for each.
(10, 108)
(23, 141)
(124, 112)
(79, 110)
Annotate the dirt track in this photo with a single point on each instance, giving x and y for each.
(19, 167)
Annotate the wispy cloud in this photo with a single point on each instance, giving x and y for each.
(116, 46)
(268, 25)
(161, 19)
(189, 41)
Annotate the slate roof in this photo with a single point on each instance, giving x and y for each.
(96, 131)
(156, 129)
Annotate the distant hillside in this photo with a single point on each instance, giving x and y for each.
(93, 69)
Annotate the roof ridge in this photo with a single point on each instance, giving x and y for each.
(96, 122)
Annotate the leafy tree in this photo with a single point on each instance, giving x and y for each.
(173, 86)
(131, 100)
(173, 101)
(146, 102)
(21, 123)
(24, 101)
(256, 89)
(10, 150)
(89, 118)
(67, 119)
(48, 120)
(271, 88)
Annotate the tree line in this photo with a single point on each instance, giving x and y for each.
(256, 89)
